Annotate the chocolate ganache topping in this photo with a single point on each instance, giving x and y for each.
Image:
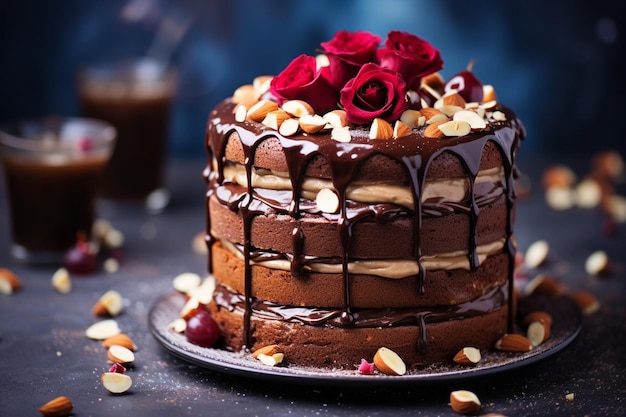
(413, 152)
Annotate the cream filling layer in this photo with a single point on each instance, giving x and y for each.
(386, 268)
(450, 189)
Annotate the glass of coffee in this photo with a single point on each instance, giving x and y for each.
(52, 167)
(135, 97)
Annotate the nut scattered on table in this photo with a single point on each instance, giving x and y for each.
(538, 332)
(120, 354)
(103, 329)
(597, 263)
(536, 254)
(110, 304)
(115, 382)
(58, 407)
(464, 402)
(61, 281)
(121, 339)
(9, 282)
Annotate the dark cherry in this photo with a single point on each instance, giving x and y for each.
(202, 329)
(466, 84)
(81, 258)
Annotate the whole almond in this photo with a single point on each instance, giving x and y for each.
(58, 407)
(514, 343)
(545, 284)
(586, 301)
(534, 316)
(432, 130)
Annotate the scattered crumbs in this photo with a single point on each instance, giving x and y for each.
(569, 397)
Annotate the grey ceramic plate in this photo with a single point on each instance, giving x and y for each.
(565, 328)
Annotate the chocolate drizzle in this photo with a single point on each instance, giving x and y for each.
(414, 153)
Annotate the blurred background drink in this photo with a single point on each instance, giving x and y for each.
(52, 167)
(135, 97)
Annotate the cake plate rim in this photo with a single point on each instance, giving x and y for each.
(567, 323)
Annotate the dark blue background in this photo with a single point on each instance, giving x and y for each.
(559, 65)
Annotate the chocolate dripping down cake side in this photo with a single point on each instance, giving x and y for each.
(359, 200)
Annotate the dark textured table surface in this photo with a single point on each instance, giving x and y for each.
(44, 352)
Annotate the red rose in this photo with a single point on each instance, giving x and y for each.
(301, 80)
(347, 52)
(411, 56)
(374, 92)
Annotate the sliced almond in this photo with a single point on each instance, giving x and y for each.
(341, 134)
(432, 131)
(186, 281)
(464, 402)
(120, 354)
(289, 127)
(545, 284)
(9, 282)
(275, 119)
(453, 99)
(489, 93)
(245, 96)
(597, 263)
(312, 124)
(400, 129)
(467, 356)
(450, 110)
(475, 121)
(434, 81)
(536, 254)
(538, 332)
(261, 84)
(103, 329)
(513, 342)
(241, 113)
(199, 243)
(271, 360)
(258, 112)
(57, 407)
(337, 118)
(534, 316)
(121, 339)
(110, 304)
(433, 115)
(455, 128)
(381, 129)
(268, 350)
(179, 325)
(413, 118)
(61, 281)
(298, 108)
(115, 382)
(388, 362)
(327, 201)
(586, 301)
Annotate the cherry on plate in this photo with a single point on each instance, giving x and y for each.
(202, 329)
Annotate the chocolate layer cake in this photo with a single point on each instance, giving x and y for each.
(386, 220)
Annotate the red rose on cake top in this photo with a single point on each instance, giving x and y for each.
(374, 92)
(366, 79)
